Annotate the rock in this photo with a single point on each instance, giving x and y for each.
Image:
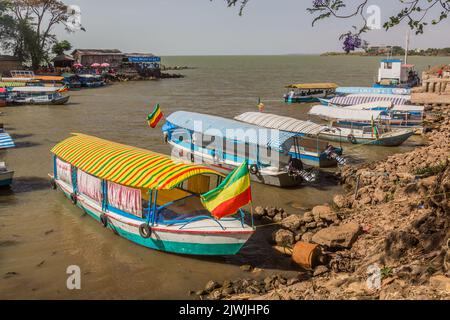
(215, 295)
(379, 195)
(271, 212)
(356, 288)
(246, 267)
(324, 213)
(440, 282)
(311, 225)
(307, 237)
(319, 270)
(200, 292)
(292, 281)
(292, 222)
(398, 243)
(342, 236)
(283, 237)
(278, 217)
(259, 212)
(340, 201)
(308, 217)
(227, 291)
(211, 285)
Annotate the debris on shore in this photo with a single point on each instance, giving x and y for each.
(386, 238)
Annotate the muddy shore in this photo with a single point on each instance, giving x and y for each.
(385, 238)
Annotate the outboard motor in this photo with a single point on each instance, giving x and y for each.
(332, 154)
(295, 168)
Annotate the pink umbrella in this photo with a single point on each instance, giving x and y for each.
(95, 65)
(104, 65)
(78, 65)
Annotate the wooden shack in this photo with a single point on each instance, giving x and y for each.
(89, 56)
(8, 63)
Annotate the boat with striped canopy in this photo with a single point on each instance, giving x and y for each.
(5, 140)
(224, 144)
(312, 150)
(309, 92)
(354, 99)
(146, 197)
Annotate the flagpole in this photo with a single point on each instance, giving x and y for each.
(251, 213)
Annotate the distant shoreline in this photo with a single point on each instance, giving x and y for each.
(364, 54)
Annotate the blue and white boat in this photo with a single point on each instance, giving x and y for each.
(359, 126)
(146, 197)
(343, 91)
(91, 80)
(5, 140)
(354, 99)
(6, 176)
(311, 149)
(224, 144)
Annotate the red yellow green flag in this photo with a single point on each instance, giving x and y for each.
(233, 193)
(65, 88)
(154, 117)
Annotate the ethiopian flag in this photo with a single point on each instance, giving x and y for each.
(155, 116)
(65, 88)
(233, 193)
(374, 129)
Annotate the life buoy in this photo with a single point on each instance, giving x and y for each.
(104, 220)
(53, 183)
(254, 169)
(145, 231)
(351, 138)
(73, 198)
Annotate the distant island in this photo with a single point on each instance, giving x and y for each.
(394, 51)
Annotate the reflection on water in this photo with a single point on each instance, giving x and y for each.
(42, 233)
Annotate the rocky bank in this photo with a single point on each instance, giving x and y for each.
(387, 237)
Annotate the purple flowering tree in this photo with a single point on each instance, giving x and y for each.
(417, 14)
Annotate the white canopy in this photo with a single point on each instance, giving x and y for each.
(36, 89)
(371, 105)
(339, 113)
(288, 124)
(405, 107)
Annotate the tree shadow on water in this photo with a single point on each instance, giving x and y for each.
(26, 184)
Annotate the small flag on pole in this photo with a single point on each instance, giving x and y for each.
(154, 117)
(374, 128)
(260, 105)
(63, 89)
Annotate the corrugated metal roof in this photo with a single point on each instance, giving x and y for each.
(6, 141)
(273, 121)
(360, 99)
(340, 113)
(230, 129)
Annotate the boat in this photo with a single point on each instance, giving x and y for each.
(393, 73)
(309, 92)
(6, 141)
(37, 95)
(343, 91)
(71, 81)
(91, 80)
(6, 176)
(355, 126)
(3, 97)
(49, 81)
(224, 144)
(313, 151)
(354, 99)
(145, 197)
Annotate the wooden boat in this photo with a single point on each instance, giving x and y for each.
(312, 150)
(309, 92)
(355, 126)
(145, 197)
(91, 80)
(6, 176)
(37, 95)
(224, 144)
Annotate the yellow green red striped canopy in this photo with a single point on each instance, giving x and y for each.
(124, 164)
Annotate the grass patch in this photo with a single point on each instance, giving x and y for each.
(429, 171)
(386, 272)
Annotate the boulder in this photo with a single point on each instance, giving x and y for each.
(307, 237)
(308, 217)
(340, 201)
(319, 270)
(211, 285)
(283, 237)
(440, 282)
(324, 213)
(342, 236)
(292, 222)
(259, 212)
(379, 195)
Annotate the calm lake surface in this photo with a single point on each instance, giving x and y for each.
(42, 233)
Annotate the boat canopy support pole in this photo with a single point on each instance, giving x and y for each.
(55, 170)
(154, 208)
(149, 214)
(242, 215)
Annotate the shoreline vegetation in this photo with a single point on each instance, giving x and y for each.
(395, 51)
(393, 218)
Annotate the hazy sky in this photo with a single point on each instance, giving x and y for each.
(202, 27)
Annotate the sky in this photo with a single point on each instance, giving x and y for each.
(204, 27)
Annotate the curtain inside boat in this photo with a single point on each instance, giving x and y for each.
(64, 171)
(89, 186)
(125, 198)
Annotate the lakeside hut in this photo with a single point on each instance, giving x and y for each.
(88, 57)
(63, 61)
(8, 63)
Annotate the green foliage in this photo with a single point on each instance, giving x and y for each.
(429, 171)
(60, 47)
(386, 272)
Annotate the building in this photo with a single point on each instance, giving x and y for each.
(89, 56)
(395, 72)
(63, 61)
(8, 63)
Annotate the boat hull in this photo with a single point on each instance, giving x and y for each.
(387, 141)
(6, 178)
(164, 238)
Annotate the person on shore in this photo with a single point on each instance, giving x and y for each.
(440, 73)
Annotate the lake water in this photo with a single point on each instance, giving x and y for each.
(42, 233)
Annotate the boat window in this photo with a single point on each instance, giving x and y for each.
(64, 171)
(388, 65)
(89, 186)
(125, 198)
